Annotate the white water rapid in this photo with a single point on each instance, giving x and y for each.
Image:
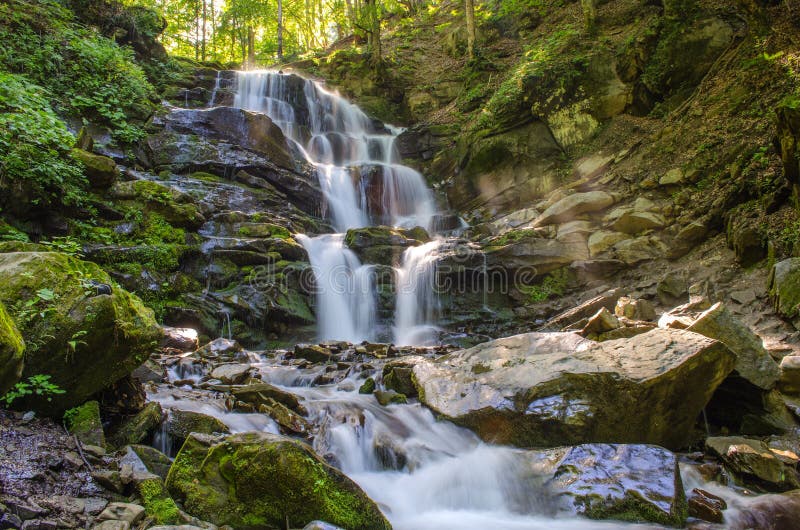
(359, 171)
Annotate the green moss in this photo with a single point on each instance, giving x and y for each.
(157, 502)
(84, 422)
(368, 387)
(11, 351)
(137, 428)
(266, 480)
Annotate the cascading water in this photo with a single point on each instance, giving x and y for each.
(359, 171)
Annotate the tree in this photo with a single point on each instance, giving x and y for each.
(469, 7)
(280, 30)
(589, 15)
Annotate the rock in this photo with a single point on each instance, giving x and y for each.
(788, 138)
(672, 177)
(687, 238)
(773, 512)
(261, 393)
(122, 511)
(368, 387)
(603, 240)
(112, 334)
(10, 520)
(100, 170)
(744, 297)
(389, 397)
(25, 510)
(177, 208)
(312, 352)
(602, 321)
(110, 480)
(158, 504)
(84, 422)
(261, 479)
(559, 388)
(535, 254)
(784, 288)
(231, 374)
(183, 339)
(706, 506)
(400, 379)
(573, 205)
(154, 460)
(635, 251)
(137, 428)
(609, 481)
(320, 525)
(219, 348)
(11, 349)
(112, 525)
(747, 238)
(383, 245)
(181, 423)
(753, 362)
(284, 417)
(751, 460)
(584, 310)
(633, 222)
(789, 382)
(635, 309)
(94, 505)
(673, 288)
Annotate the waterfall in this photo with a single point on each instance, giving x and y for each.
(417, 302)
(359, 170)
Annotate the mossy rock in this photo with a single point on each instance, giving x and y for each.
(11, 349)
(82, 339)
(261, 480)
(154, 460)
(84, 422)
(181, 423)
(138, 428)
(784, 288)
(157, 502)
(176, 207)
(100, 170)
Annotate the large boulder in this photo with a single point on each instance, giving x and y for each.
(784, 288)
(548, 389)
(75, 332)
(574, 205)
(753, 362)
(753, 462)
(383, 245)
(535, 254)
(609, 481)
(11, 348)
(266, 481)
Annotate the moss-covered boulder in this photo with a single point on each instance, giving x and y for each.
(83, 339)
(181, 423)
(11, 348)
(100, 170)
(157, 502)
(262, 480)
(383, 245)
(549, 389)
(85, 423)
(176, 207)
(137, 428)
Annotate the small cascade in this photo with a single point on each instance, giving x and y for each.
(215, 90)
(358, 167)
(417, 300)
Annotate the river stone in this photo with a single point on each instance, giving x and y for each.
(181, 423)
(614, 481)
(262, 394)
(753, 362)
(85, 423)
(753, 461)
(264, 480)
(312, 352)
(784, 287)
(137, 428)
(231, 374)
(573, 205)
(559, 388)
(83, 341)
(101, 171)
(706, 506)
(11, 348)
(220, 347)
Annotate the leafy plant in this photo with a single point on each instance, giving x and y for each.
(38, 385)
(553, 284)
(67, 245)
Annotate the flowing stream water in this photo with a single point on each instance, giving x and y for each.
(424, 473)
(359, 171)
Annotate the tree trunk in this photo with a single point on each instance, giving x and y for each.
(196, 31)
(203, 41)
(589, 15)
(374, 31)
(251, 47)
(469, 6)
(280, 30)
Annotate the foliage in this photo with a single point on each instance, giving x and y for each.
(67, 245)
(39, 385)
(83, 72)
(553, 284)
(34, 146)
